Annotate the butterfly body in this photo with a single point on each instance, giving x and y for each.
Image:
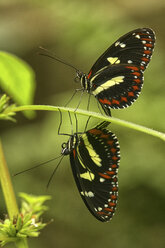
(94, 157)
(116, 78)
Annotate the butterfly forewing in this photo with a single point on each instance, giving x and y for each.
(135, 47)
(94, 162)
(116, 78)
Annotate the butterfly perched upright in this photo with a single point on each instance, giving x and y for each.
(94, 157)
(116, 78)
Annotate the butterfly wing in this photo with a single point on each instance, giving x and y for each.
(94, 163)
(116, 77)
(118, 86)
(135, 47)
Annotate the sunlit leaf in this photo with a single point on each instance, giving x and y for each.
(17, 79)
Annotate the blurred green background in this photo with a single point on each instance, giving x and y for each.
(79, 31)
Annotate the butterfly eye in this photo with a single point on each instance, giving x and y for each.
(64, 145)
(78, 77)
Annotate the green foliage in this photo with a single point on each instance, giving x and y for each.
(27, 223)
(6, 112)
(34, 204)
(17, 79)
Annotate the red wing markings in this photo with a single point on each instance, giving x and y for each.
(89, 74)
(147, 52)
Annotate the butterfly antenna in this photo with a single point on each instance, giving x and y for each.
(53, 56)
(34, 167)
(50, 179)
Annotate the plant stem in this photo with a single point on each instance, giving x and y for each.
(7, 188)
(93, 114)
(9, 195)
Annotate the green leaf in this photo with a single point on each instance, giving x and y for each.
(17, 79)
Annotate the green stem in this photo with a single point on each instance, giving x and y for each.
(9, 195)
(7, 188)
(93, 114)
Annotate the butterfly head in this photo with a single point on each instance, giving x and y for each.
(67, 147)
(83, 80)
(79, 76)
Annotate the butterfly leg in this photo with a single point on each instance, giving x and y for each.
(79, 100)
(76, 90)
(59, 127)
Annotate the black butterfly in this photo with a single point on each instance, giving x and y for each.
(94, 158)
(116, 78)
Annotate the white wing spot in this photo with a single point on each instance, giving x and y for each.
(122, 45)
(129, 61)
(85, 193)
(137, 36)
(90, 194)
(117, 43)
(102, 180)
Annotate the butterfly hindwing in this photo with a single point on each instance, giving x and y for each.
(94, 162)
(118, 85)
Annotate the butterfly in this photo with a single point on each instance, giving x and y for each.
(116, 78)
(94, 158)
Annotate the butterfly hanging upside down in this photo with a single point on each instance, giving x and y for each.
(94, 157)
(116, 78)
